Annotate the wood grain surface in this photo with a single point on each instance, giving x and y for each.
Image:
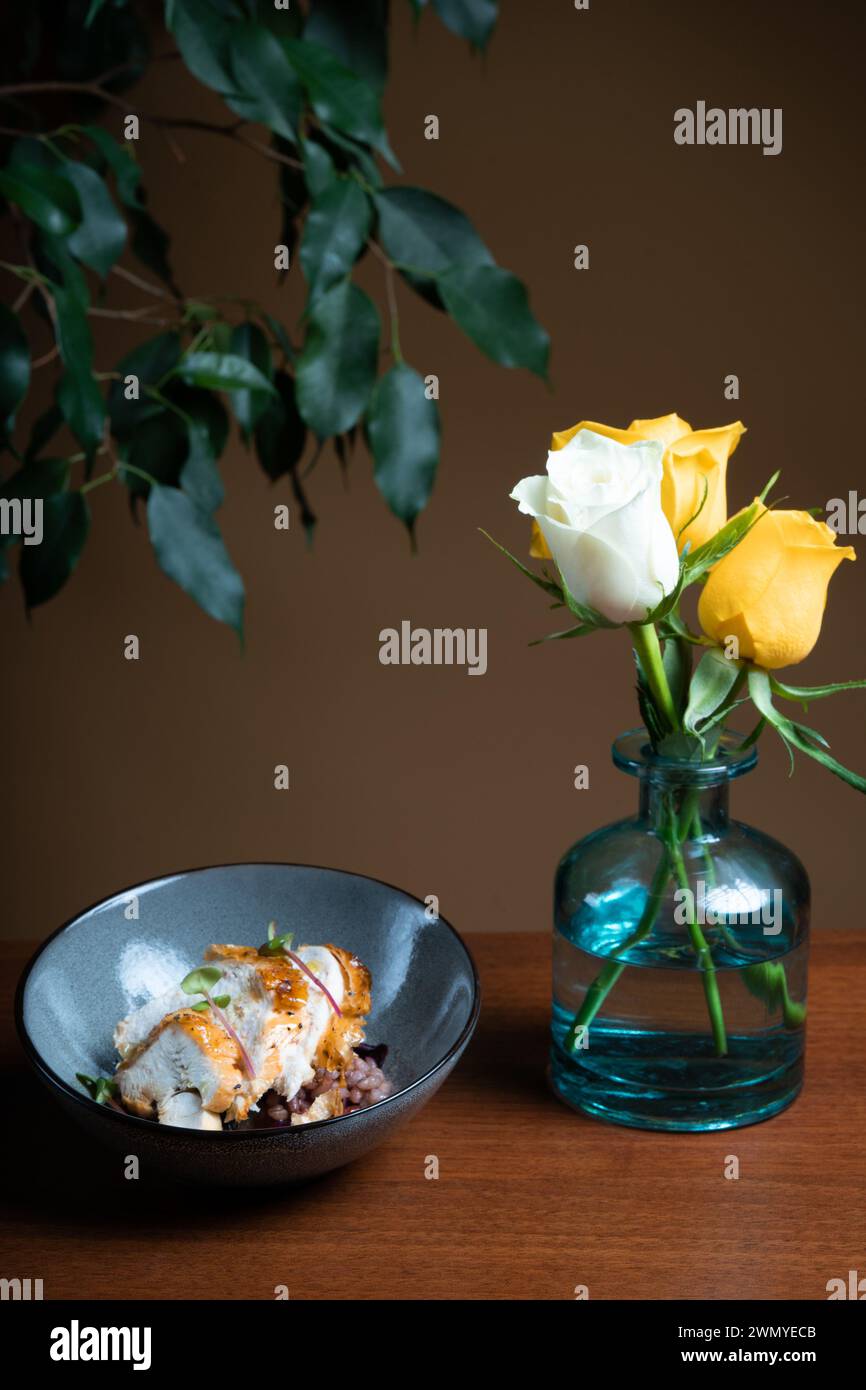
(531, 1199)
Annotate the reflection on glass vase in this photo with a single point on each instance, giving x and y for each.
(679, 956)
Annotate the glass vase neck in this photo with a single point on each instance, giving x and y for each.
(688, 790)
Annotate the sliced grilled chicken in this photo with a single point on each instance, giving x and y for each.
(285, 1022)
(186, 1110)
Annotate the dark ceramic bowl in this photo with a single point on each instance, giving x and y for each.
(105, 962)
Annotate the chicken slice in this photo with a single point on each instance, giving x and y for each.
(187, 1051)
(185, 1110)
(287, 1027)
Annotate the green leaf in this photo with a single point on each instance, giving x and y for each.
(92, 11)
(796, 735)
(281, 433)
(713, 680)
(336, 370)
(334, 235)
(45, 568)
(582, 630)
(204, 37)
(352, 155)
(49, 201)
(677, 662)
(78, 394)
(222, 371)
(337, 96)
(584, 611)
(101, 235)
(195, 405)
(492, 308)
(249, 342)
(202, 980)
(264, 77)
(403, 430)
(39, 478)
(14, 367)
(200, 478)
(158, 448)
(805, 694)
(356, 34)
(99, 1088)
(45, 427)
(469, 19)
(424, 235)
(190, 549)
(126, 170)
(319, 169)
(548, 585)
(150, 362)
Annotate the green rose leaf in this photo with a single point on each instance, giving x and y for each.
(14, 366)
(222, 371)
(190, 549)
(356, 34)
(403, 430)
(797, 735)
(492, 308)
(269, 87)
(45, 568)
(336, 370)
(469, 19)
(48, 200)
(101, 235)
(712, 683)
(249, 342)
(335, 234)
(337, 96)
(805, 694)
(695, 564)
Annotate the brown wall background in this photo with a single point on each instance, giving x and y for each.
(703, 262)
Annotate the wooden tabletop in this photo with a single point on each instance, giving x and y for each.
(531, 1201)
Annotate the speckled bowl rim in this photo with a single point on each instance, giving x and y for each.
(232, 1135)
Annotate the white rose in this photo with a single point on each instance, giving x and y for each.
(600, 511)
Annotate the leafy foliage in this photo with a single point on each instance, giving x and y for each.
(313, 76)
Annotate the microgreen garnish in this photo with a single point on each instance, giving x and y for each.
(101, 1089)
(201, 981)
(221, 1001)
(279, 945)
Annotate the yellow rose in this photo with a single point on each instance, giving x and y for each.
(770, 591)
(692, 458)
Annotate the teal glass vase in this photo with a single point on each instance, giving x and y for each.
(680, 953)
